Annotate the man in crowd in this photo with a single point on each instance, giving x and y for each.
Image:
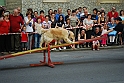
(16, 24)
(59, 13)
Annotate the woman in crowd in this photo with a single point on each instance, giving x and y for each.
(50, 11)
(53, 20)
(29, 28)
(46, 24)
(112, 34)
(82, 36)
(75, 22)
(67, 23)
(37, 36)
(122, 15)
(60, 22)
(88, 23)
(102, 19)
(4, 29)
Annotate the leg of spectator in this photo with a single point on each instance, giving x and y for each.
(17, 42)
(12, 43)
(36, 40)
(8, 43)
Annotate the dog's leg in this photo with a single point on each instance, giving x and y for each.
(67, 40)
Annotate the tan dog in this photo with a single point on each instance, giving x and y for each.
(57, 34)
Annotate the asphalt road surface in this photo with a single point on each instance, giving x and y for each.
(104, 66)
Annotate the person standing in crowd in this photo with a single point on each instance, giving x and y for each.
(68, 24)
(68, 14)
(60, 22)
(15, 22)
(94, 15)
(75, 22)
(19, 11)
(50, 11)
(53, 20)
(24, 39)
(88, 24)
(112, 13)
(29, 29)
(55, 12)
(38, 25)
(119, 27)
(32, 13)
(5, 29)
(35, 16)
(1, 13)
(59, 13)
(46, 24)
(42, 17)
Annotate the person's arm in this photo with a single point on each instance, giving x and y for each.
(78, 22)
(109, 31)
(27, 21)
(99, 20)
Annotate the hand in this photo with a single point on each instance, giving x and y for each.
(119, 33)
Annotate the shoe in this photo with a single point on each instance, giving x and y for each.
(97, 49)
(93, 49)
(101, 45)
(105, 45)
(60, 48)
(64, 48)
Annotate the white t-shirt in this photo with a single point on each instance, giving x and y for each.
(47, 24)
(104, 31)
(29, 27)
(38, 27)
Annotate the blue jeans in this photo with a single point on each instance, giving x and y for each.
(29, 43)
(37, 40)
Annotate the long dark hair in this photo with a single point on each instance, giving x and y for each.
(62, 19)
(120, 12)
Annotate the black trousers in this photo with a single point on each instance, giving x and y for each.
(5, 45)
(88, 36)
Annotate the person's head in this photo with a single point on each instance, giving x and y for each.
(15, 12)
(73, 12)
(1, 11)
(52, 15)
(95, 10)
(105, 26)
(28, 14)
(55, 11)
(102, 10)
(42, 13)
(59, 10)
(113, 9)
(97, 29)
(84, 8)
(46, 18)
(6, 15)
(19, 9)
(38, 20)
(98, 12)
(80, 9)
(61, 18)
(82, 31)
(77, 11)
(35, 13)
(30, 10)
(102, 14)
(121, 12)
(69, 11)
(89, 16)
(112, 20)
(117, 20)
(24, 28)
(67, 21)
(50, 11)
(86, 12)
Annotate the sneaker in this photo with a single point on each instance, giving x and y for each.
(101, 45)
(93, 49)
(97, 49)
(105, 45)
(60, 48)
(64, 48)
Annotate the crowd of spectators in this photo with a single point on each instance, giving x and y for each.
(85, 25)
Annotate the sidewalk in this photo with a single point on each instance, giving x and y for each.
(89, 48)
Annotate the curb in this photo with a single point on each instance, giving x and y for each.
(84, 49)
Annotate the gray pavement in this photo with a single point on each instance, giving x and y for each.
(80, 66)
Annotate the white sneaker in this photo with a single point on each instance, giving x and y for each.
(64, 48)
(60, 48)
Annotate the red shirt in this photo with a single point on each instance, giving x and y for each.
(110, 15)
(24, 37)
(4, 26)
(42, 18)
(15, 22)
